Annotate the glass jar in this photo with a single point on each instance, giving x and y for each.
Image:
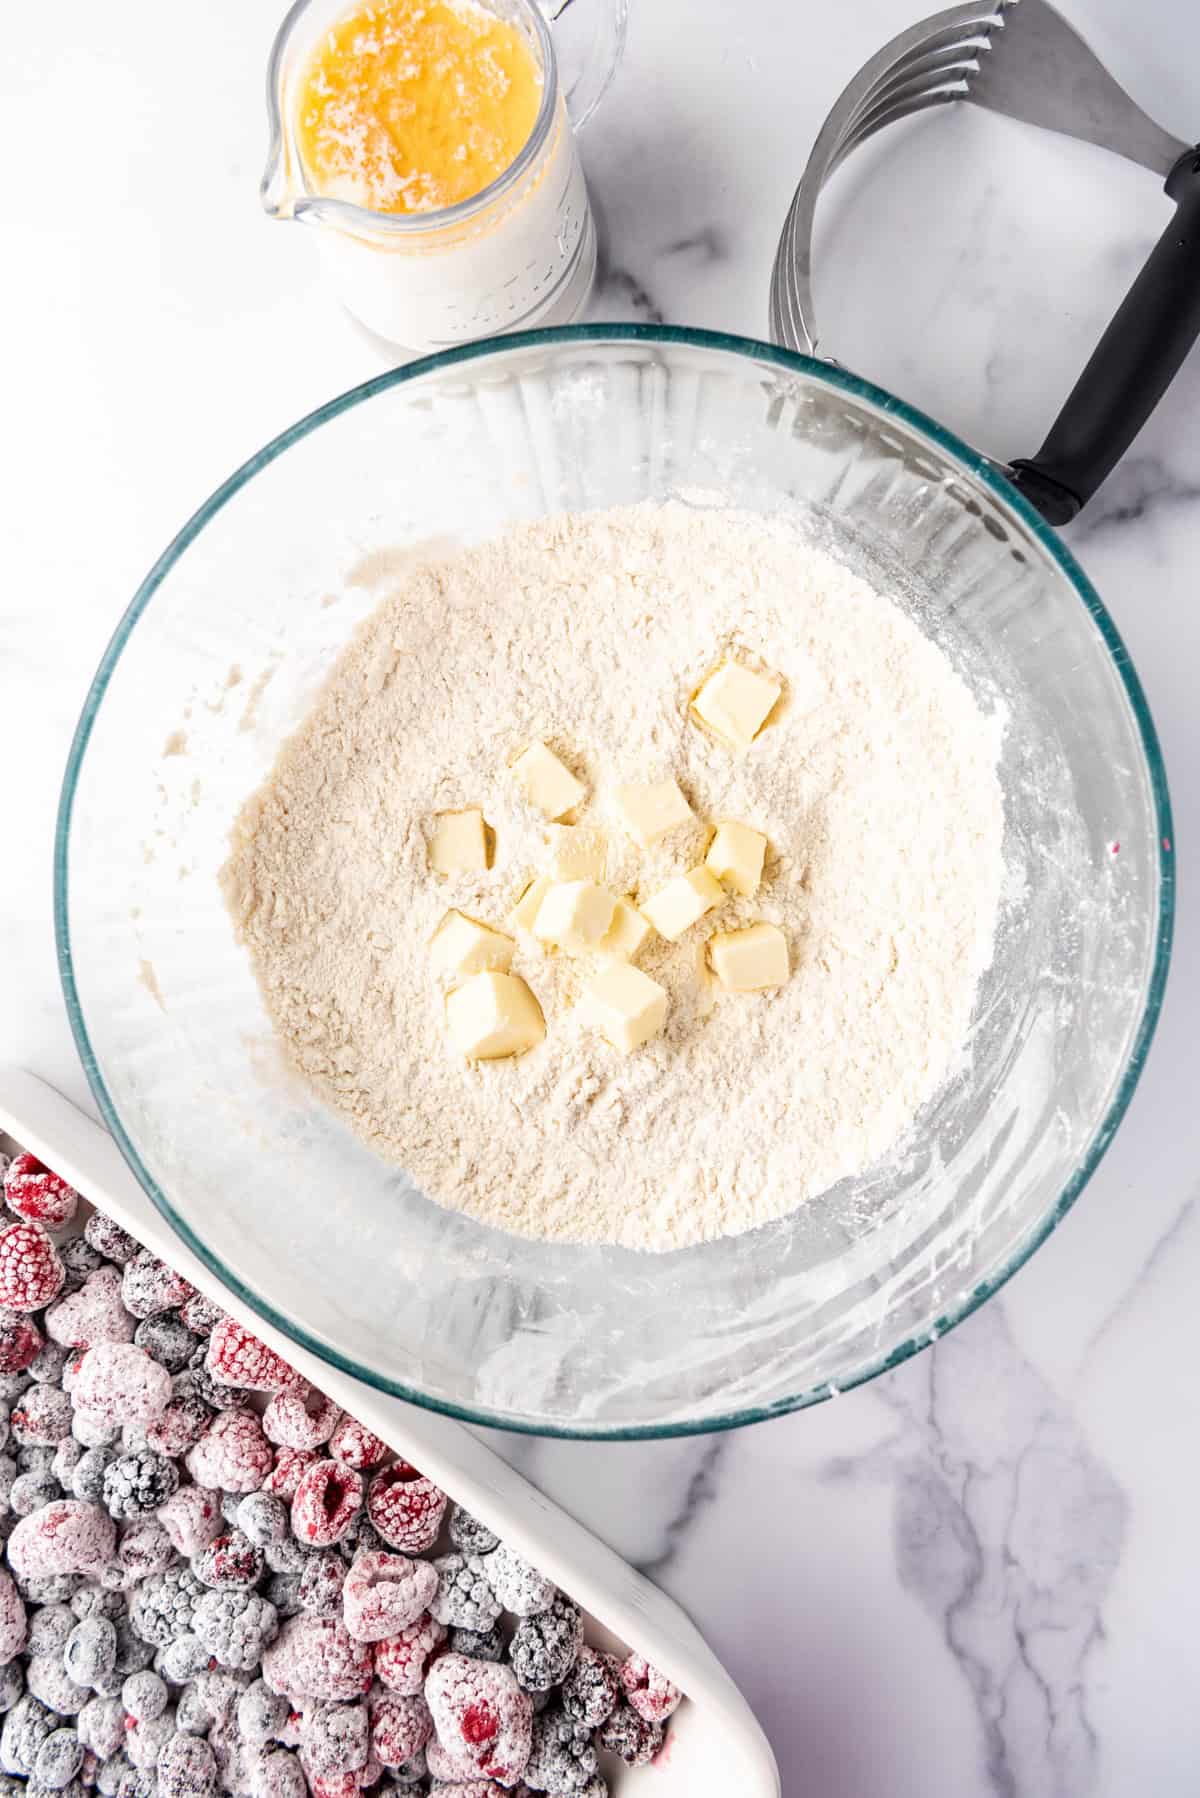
(521, 252)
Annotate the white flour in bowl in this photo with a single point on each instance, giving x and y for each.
(874, 781)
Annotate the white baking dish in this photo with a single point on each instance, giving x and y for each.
(715, 1745)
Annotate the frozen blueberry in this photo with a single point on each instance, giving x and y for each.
(468, 1535)
(167, 1338)
(321, 1580)
(110, 1241)
(12, 1684)
(263, 1518)
(47, 1366)
(182, 1659)
(477, 1644)
(49, 1629)
(90, 1653)
(30, 1491)
(261, 1713)
(87, 1476)
(59, 1759)
(283, 1590)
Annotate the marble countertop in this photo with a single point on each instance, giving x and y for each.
(978, 1575)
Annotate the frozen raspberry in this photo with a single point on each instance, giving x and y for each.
(454, 1774)
(166, 1339)
(520, 1588)
(301, 1418)
(277, 1774)
(39, 1196)
(12, 1618)
(113, 1243)
(191, 1518)
(30, 1270)
(235, 1357)
(320, 1589)
(463, 1599)
(262, 1518)
(186, 1768)
(384, 1593)
(288, 1468)
(200, 1314)
(49, 1681)
(650, 1692)
(149, 1286)
(42, 1417)
(229, 1563)
(63, 1537)
(94, 1314)
(20, 1343)
(315, 1657)
(90, 1653)
(136, 1485)
(119, 1381)
(326, 1502)
(233, 1453)
(333, 1740)
(235, 1626)
(101, 1726)
(353, 1443)
(400, 1727)
(162, 1606)
(478, 1644)
(406, 1508)
(468, 1535)
(481, 1713)
(180, 1427)
(592, 1688)
(544, 1647)
(401, 1660)
(630, 1736)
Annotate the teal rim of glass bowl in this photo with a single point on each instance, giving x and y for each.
(792, 362)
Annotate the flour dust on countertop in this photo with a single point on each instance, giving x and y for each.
(874, 782)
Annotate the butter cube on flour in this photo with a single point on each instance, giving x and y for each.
(577, 852)
(545, 782)
(683, 902)
(574, 916)
(494, 1015)
(460, 946)
(745, 961)
(457, 843)
(735, 856)
(652, 808)
(627, 932)
(625, 1005)
(524, 913)
(734, 702)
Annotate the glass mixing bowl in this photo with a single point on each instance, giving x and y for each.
(215, 663)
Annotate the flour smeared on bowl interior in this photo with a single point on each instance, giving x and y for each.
(631, 879)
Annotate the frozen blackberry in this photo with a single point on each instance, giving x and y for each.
(592, 1687)
(361, 1538)
(321, 1580)
(90, 1653)
(47, 1365)
(162, 1607)
(262, 1517)
(196, 1379)
(96, 1601)
(229, 1564)
(48, 1588)
(478, 1644)
(283, 1590)
(186, 1768)
(50, 1629)
(30, 1491)
(167, 1338)
(470, 1536)
(25, 1729)
(235, 1627)
(12, 1684)
(561, 1756)
(463, 1600)
(261, 1713)
(80, 1259)
(543, 1648)
(59, 1759)
(181, 1660)
(149, 1286)
(630, 1736)
(135, 1485)
(519, 1586)
(108, 1239)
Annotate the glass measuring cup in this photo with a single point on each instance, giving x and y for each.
(521, 252)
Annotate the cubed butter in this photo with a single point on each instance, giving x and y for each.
(735, 856)
(546, 784)
(625, 1005)
(649, 810)
(493, 1015)
(574, 916)
(460, 946)
(627, 932)
(524, 913)
(734, 702)
(577, 852)
(683, 902)
(458, 843)
(744, 961)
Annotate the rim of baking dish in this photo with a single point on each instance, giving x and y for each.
(973, 464)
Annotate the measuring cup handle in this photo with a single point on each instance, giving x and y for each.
(1130, 368)
(589, 42)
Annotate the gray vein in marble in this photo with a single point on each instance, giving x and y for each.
(620, 295)
(701, 1492)
(1142, 487)
(1166, 1248)
(702, 247)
